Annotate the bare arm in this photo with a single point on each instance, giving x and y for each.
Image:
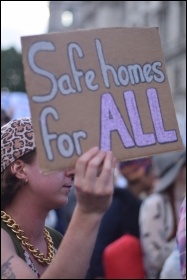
(94, 196)
(12, 266)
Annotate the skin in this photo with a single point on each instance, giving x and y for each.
(42, 193)
(138, 180)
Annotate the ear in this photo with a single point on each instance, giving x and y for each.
(18, 169)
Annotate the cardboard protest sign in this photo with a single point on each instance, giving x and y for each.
(102, 87)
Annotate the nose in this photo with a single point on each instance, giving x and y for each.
(70, 173)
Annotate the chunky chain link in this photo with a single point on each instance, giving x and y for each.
(40, 257)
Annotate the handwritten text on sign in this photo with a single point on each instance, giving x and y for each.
(105, 81)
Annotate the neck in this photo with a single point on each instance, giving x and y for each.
(28, 216)
(38, 244)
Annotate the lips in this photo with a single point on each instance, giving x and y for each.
(67, 186)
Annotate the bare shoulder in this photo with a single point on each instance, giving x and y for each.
(12, 266)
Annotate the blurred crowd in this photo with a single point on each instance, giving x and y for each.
(143, 233)
(139, 235)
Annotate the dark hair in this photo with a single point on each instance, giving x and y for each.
(10, 184)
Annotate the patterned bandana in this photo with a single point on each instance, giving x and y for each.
(17, 139)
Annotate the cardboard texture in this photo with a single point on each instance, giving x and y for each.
(104, 87)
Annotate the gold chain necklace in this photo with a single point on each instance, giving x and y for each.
(40, 257)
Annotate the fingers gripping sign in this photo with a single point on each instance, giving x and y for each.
(106, 177)
(93, 191)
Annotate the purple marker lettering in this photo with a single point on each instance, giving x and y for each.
(111, 120)
(141, 139)
(163, 136)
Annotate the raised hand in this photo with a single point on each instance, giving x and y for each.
(94, 192)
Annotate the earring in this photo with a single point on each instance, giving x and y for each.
(25, 181)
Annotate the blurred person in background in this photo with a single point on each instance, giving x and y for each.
(181, 239)
(159, 213)
(171, 268)
(175, 265)
(122, 216)
(139, 176)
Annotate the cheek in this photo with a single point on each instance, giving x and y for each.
(39, 180)
(55, 179)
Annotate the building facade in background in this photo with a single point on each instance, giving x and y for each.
(169, 16)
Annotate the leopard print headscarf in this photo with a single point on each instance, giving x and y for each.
(17, 139)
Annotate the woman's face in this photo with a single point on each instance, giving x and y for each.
(52, 189)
